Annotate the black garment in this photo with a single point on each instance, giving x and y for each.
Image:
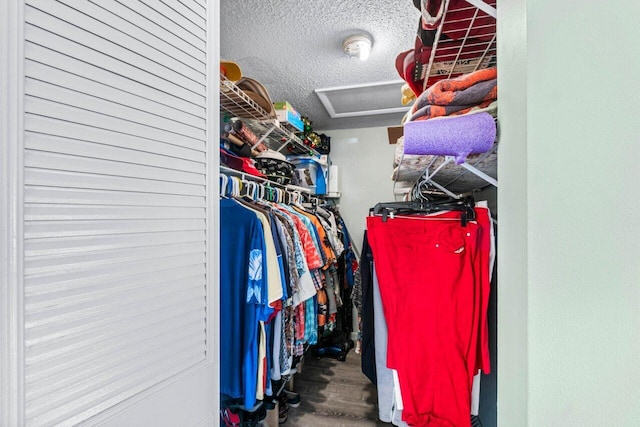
(368, 345)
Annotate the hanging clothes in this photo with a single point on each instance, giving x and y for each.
(434, 278)
(278, 279)
(243, 290)
(368, 357)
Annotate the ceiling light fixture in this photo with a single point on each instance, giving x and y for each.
(357, 46)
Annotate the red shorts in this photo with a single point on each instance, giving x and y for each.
(434, 282)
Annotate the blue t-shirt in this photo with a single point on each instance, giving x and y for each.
(243, 295)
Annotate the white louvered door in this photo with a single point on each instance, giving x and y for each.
(112, 207)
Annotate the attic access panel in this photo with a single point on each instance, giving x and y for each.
(363, 99)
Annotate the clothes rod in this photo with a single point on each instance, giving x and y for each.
(244, 175)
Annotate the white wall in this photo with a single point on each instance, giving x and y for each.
(579, 201)
(365, 158)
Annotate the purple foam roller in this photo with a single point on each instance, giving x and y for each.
(456, 136)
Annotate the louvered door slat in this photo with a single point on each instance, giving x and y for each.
(46, 73)
(46, 359)
(68, 113)
(66, 47)
(54, 144)
(116, 201)
(64, 179)
(106, 288)
(49, 263)
(41, 212)
(77, 280)
(113, 19)
(145, 23)
(196, 3)
(119, 110)
(128, 35)
(119, 346)
(80, 335)
(105, 394)
(192, 17)
(156, 20)
(38, 229)
(169, 10)
(66, 381)
(147, 283)
(78, 196)
(64, 162)
(51, 58)
(36, 124)
(45, 324)
(119, 38)
(195, 82)
(46, 247)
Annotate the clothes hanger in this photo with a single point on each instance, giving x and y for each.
(465, 206)
(244, 189)
(224, 180)
(251, 190)
(268, 193)
(236, 186)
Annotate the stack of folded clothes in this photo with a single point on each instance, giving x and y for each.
(454, 117)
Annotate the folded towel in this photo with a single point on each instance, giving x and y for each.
(457, 96)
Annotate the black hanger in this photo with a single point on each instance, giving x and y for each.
(465, 206)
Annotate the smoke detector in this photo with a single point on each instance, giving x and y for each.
(357, 46)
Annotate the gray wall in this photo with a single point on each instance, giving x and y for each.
(569, 243)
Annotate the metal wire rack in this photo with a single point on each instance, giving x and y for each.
(275, 135)
(465, 41)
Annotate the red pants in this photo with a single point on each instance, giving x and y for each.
(434, 282)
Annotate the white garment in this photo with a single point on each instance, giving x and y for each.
(277, 339)
(262, 354)
(475, 392)
(387, 386)
(274, 280)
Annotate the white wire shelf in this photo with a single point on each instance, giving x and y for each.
(478, 171)
(277, 136)
(465, 40)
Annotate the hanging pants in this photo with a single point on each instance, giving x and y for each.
(434, 284)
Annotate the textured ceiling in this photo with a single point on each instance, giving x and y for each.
(295, 47)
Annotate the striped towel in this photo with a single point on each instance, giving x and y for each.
(457, 96)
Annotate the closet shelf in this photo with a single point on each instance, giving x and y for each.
(331, 195)
(465, 42)
(479, 171)
(276, 135)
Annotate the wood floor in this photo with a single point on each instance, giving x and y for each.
(334, 394)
